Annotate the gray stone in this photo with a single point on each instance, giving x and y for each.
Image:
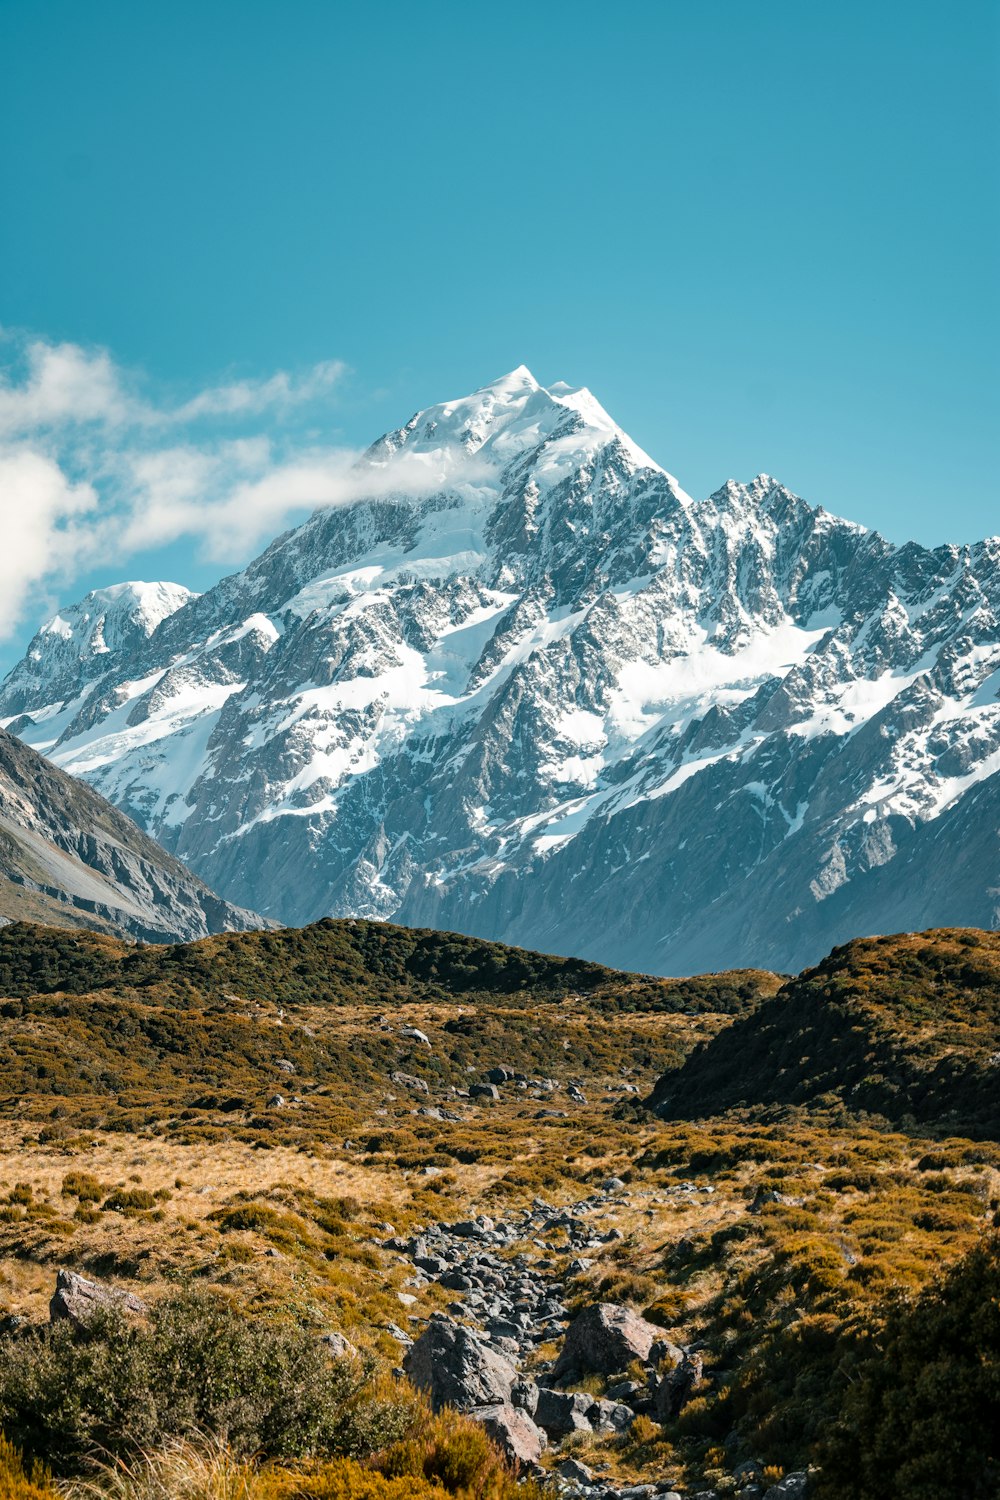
(514, 1433)
(573, 1469)
(559, 1413)
(414, 1034)
(677, 1387)
(603, 1340)
(453, 1365)
(339, 1346)
(610, 1416)
(792, 1487)
(408, 1081)
(525, 1395)
(78, 1300)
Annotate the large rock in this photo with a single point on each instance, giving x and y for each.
(514, 1432)
(560, 1413)
(604, 1339)
(78, 1300)
(453, 1365)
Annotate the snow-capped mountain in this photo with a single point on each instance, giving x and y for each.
(525, 687)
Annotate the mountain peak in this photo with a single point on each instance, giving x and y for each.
(527, 665)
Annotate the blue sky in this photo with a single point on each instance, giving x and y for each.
(764, 235)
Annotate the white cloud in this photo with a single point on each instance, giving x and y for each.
(249, 397)
(42, 530)
(62, 385)
(92, 468)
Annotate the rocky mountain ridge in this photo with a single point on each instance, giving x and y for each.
(529, 689)
(68, 857)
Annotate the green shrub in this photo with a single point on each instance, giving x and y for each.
(196, 1366)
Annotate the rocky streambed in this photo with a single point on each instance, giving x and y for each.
(485, 1354)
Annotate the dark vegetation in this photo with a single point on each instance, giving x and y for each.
(337, 962)
(920, 1416)
(905, 1027)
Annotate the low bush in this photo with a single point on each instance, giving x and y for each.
(196, 1366)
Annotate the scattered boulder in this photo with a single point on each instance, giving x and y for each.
(284, 1066)
(501, 1075)
(408, 1081)
(573, 1470)
(558, 1413)
(677, 1387)
(339, 1347)
(792, 1487)
(414, 1034)
(514, 1433)
(603, 1340)
(77, 1299)
(607, 1416)
(483, 1091)
(525, 1395)
(764, 1196)
(453, 1365)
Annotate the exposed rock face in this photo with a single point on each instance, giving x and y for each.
(78, 1300)
(69, 858)
(552, 673)
(603, 1340)
(456, 1368)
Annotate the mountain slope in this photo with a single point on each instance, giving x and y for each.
(907, 1027)
(525, 687)
(68, 857)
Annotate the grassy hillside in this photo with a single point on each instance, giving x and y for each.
(904, 1027)
(255, 1116)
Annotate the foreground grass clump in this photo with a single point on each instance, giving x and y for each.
(452, 1451)
(20, 1482)
(186, 1470)
(125, 1386)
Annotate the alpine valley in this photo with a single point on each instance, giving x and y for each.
(526, 688)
